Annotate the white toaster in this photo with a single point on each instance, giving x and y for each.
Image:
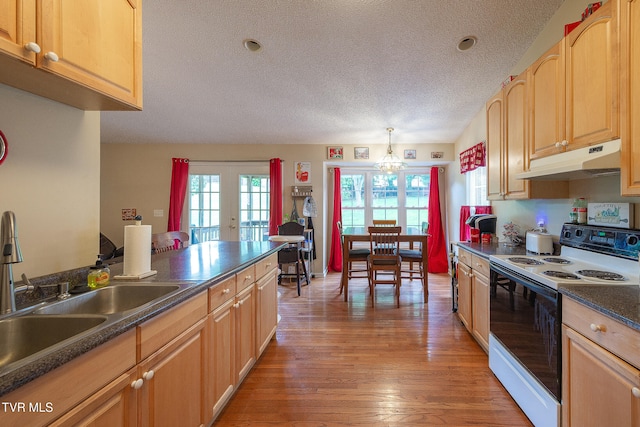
(539, 243)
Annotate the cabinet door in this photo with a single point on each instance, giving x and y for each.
(480, 310)
(464, 296)
(222, 359)
(598, 388)
(494, 147)
(515, 157)
(17, 28)
(266, 309)
(245, 332)
(98, 44)
(592, 79)
(113, 406)
(546, 103)
(630, 97)
(173, 393)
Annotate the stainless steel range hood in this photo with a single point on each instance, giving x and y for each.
(587, 162)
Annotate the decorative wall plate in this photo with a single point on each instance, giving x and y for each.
(4, 147)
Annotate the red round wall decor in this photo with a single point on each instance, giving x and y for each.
(4, 147)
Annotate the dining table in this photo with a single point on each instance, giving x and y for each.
(348, 238)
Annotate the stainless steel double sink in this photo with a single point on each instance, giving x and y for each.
(48, 326)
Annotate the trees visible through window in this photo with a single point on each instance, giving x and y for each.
(369, 195)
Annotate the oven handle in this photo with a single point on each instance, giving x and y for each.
(520, 279)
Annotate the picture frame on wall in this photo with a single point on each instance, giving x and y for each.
(361, 153)
(302, 173)
(335, 153)
(410, 154)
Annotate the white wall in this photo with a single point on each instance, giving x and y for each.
(51, 181)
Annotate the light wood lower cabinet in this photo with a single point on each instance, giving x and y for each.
(464, 296)
(473, 295)
(175, 381)
(480, 311)
(242, 321)
(266, 309)
(599, 385)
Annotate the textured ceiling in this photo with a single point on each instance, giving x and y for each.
(330, 71)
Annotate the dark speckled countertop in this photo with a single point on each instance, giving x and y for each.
(197, 267)
(492, 249)
(621, 303)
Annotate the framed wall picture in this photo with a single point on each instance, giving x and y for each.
(410, 154)
(437, 154)
(361, 153)
(335, 153)
(302, 173)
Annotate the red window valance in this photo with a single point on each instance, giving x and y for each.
(473, 158)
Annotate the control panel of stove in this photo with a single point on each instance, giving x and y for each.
(623, 243)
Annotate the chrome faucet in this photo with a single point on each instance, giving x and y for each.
(10, 255)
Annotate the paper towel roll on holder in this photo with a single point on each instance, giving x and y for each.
(137, 258)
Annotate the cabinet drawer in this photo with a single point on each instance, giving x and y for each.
(245, 277)
(158, 331)
(464, 256)
(266, 265)
(610, 334)
(222, 292)
(480, 265)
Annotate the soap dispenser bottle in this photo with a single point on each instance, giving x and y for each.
(99, 274)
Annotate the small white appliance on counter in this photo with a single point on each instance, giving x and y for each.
(539, 243)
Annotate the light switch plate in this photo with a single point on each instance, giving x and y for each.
(158, 212)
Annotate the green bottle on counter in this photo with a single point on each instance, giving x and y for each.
(99, 274)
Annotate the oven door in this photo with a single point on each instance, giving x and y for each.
(525, 319)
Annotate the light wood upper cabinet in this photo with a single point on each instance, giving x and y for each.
(91, 51)
(592, 79)
(516, 157)
(508, 147)
(494, 147)
(630, 97)
(547, 103)
(17, 29)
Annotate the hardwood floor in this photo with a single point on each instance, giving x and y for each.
(336, 363)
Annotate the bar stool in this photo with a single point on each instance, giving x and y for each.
(292, 233)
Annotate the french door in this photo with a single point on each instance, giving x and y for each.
(228, 201)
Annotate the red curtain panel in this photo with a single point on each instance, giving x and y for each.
(436, 245)
(335, 252)
(275, 188)
(179, 178)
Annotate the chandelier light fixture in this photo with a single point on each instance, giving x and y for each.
(390, 163)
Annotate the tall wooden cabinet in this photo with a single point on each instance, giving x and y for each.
(630, 97)
(90, 52)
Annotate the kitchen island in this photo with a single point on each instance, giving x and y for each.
(239, 277)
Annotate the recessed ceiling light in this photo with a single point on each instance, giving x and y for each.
(252, 45)
(467, 43)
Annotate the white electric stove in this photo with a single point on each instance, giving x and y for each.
(526, 314)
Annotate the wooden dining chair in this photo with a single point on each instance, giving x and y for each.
(168, 241)
(384, 262)
(413, 265)
(356, 259)
(384, 222)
